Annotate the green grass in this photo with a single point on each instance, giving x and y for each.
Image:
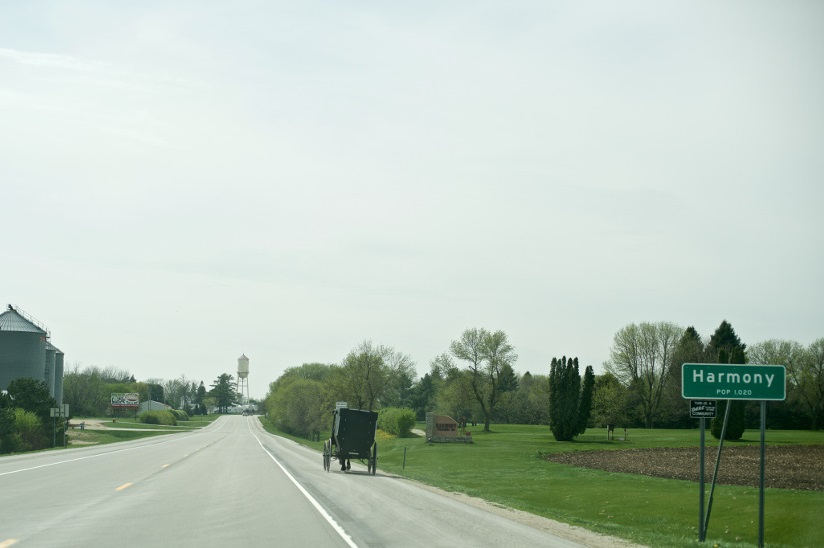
(101, 437)
(122, 422)
(136, 430)
(199, 421)
(504, 467)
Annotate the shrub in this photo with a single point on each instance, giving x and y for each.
(31, 430)
(396, 421)
(164, 417)
(180, 414)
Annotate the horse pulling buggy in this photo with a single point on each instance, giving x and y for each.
(353, 437)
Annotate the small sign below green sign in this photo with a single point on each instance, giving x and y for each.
(733, 382)
(703, 409)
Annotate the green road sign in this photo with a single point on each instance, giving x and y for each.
(733, 382)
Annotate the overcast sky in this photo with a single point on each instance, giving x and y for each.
(183, 182)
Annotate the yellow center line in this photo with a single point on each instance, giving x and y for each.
(8, 542)
(125, 485)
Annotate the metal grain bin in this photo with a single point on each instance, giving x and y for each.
(22, 348)
(58, 376)
(48, 371)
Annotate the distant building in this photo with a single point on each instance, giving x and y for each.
(152, 405)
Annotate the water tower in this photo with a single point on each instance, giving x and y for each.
(243, 378)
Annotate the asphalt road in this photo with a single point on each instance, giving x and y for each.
(230, 484)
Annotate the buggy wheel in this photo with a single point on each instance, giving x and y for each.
(373, 461)
(327, 455)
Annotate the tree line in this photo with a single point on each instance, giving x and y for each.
(26, 423)
(88, 391)
(643, 380)
(474, 382)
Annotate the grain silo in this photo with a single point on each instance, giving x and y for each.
(22, 348)
(58, 376)
(48, 371)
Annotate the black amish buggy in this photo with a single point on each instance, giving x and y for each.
(353, 437)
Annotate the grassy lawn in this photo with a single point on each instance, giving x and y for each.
(78, 438)
(504, 467)
(136, 430)
(123, 422)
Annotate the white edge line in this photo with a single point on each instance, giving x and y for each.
(344, 535)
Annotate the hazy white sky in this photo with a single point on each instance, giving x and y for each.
(183, 182)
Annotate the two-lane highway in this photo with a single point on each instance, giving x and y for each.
(230, 484)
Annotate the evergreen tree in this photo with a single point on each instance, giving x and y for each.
(729, 349)
(585, 407)
(224, 392)
(564, 398)
(674, 409)
(725, 339)
(31, 395)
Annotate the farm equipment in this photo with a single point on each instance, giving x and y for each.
(353, 437)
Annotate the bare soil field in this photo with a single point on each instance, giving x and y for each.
(794, 467)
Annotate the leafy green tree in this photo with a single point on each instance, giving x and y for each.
(200, 397)
(805, 373)
(155, 391)
(488, 354)
(641, 357)
(530, 400)
(422, 396)
(454, 396)
(609, 402)
(299, 402)
(537, 402)
(298, 406)
(369, 375)
(86, 391)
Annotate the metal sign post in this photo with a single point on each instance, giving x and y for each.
(702, 410)
(64, 420)
(761, 485)
(701, 491)
(53, 412)
(730, 382)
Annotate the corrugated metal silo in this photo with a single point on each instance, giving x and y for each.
(58, 376)
(22, 348)
(48, 372)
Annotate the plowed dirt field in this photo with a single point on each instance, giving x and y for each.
(794, 467)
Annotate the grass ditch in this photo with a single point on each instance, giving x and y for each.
(125, 429)
(505, 466)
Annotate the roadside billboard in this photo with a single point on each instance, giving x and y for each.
(129, 400)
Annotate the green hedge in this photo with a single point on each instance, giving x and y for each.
(164, 417)
(396, 421)
(180, 414)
